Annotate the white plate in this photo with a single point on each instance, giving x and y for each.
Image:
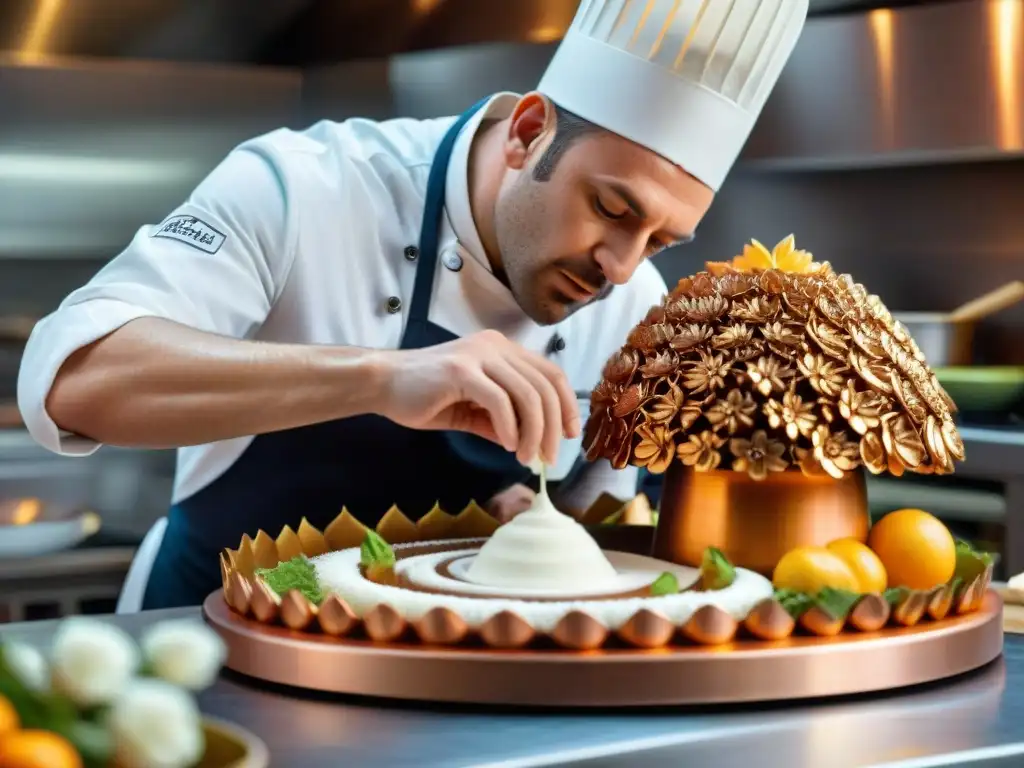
(30, 528)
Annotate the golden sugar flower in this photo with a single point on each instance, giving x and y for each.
(758, 456)
(659, 365)
(872, 453)
(700, 451)
(834, 452)
(824, 375)
(708, 373)
(769, 374)
(828, 337)
(733, 336)
(781, 336)
(785, 257)
(756, 309)
(655, 448)
(690, 336)
(863, 410)
(809, 465)
(901, 439)
(665, 407)
(622, 366)
(792, 414)
(732, 412)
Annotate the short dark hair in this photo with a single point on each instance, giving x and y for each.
(569, 128)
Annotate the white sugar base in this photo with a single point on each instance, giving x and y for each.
(339, 572)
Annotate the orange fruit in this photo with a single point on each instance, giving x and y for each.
(917, 550)
(864, 563)
(9, 720)
(810, 569)
(37, 749)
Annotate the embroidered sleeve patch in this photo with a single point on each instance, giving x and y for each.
(192, 231)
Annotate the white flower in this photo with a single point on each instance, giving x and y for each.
(184, 652)
(28, 665)
(156, 725)
(92, 661)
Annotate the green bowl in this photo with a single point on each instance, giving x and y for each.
(983, 389)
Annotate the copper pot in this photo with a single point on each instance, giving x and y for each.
(754, 522)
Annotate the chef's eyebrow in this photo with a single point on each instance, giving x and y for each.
(634, 205)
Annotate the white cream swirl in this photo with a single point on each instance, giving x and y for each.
(541, 549)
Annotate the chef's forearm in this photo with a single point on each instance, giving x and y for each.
(154, 383)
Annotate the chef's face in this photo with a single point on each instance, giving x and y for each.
(568, 231)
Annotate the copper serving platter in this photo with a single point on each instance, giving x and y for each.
(648, 661)
(738, 671)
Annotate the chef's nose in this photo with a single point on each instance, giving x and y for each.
(618, 262)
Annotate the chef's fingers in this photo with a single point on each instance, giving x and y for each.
(569, 406)
(493, 398)
(552, 408)
(527, 402)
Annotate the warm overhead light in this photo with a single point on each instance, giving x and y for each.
(39, 28)
(546, 34)
(425, 6)
(1006, 33)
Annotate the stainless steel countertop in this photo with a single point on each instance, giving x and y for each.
(980, 711)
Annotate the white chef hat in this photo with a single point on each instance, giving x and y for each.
(684, 78)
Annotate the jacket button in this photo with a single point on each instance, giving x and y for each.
(556, 344)
(411, 252)
(452, 260)
(394, 304)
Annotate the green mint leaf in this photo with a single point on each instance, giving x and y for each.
(375, 551)
(837, 603)
(894, 595)
(795, 603)
(297, 573)
(716, 572)
(666, 584)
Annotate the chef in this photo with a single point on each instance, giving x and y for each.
(367, 313)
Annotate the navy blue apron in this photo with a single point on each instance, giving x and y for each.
(365, 463)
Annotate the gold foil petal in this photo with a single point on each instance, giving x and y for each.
(384, 624)
(818, 622)
(265, 603)
(579, 631)
(264, 551)
(441, 626)
(344, 532)
(313, 542)
(396, 528)
(296, 611)
(940, 602)
(435, 525)
(647, 629)
(245, 561)
(870, 613)
(971, 596)
(239, 593)
(226, 569)
(506, 630)
(911, 608)
(710, 625)
(335, 617)
(768, 620)
(288, 545)
(473, 523)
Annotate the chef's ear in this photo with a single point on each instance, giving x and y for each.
(531, 126)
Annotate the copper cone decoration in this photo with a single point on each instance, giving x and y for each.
(767, 363)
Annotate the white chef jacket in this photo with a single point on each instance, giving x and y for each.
(300, 237)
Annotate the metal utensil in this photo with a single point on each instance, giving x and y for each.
(947, 338)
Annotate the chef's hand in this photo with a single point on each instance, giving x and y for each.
(486, 385)
(510, 502)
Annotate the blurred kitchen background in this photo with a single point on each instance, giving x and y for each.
(892, 148)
